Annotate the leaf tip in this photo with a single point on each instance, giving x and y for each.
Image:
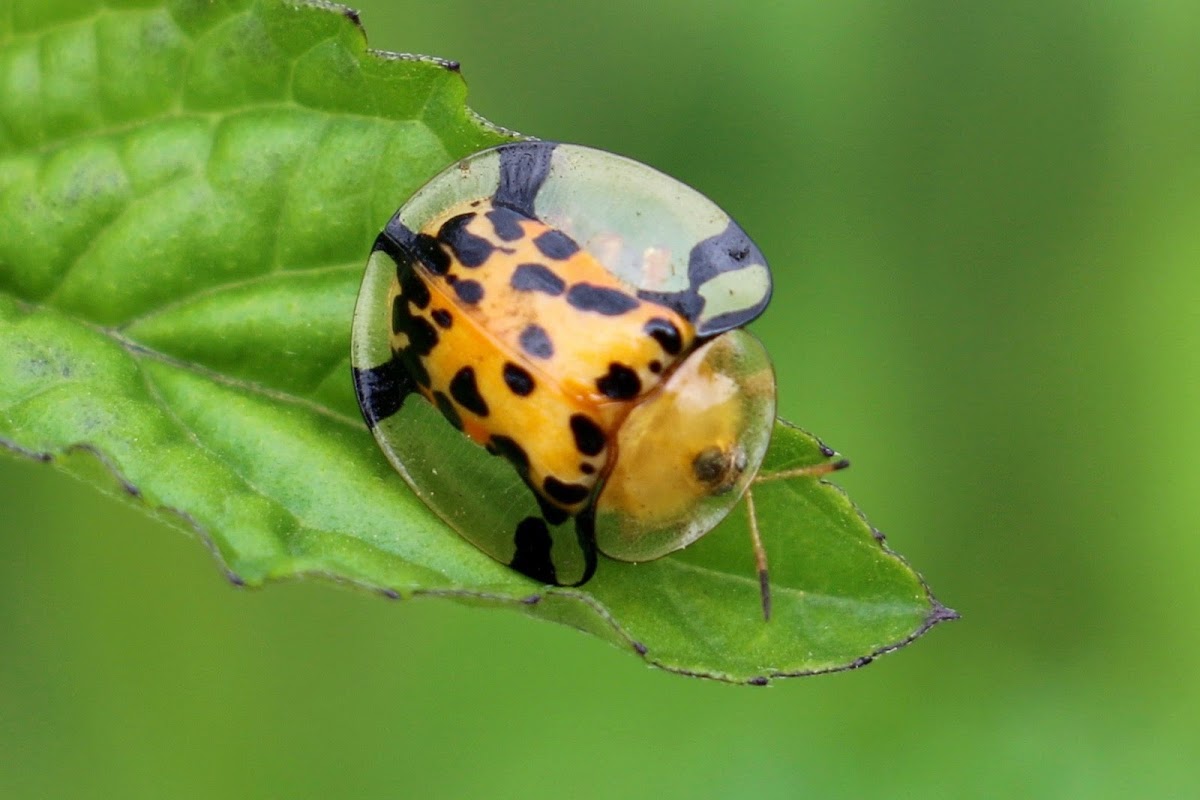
(940, 613)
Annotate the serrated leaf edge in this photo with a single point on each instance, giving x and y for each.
(938, 612)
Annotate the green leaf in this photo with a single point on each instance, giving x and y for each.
(188, 193)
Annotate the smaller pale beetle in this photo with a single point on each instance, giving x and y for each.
(579, 315)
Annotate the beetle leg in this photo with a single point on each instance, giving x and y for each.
(760, 557)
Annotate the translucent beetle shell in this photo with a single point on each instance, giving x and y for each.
(575, 316)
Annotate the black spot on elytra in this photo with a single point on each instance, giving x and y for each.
(465, 392)
(556, 244)
(506, 223)
(586, 468)
(469, 291)
(471, 250)
(589, 439)
(536, 342)
(600, 299)
(448, 410)
(655, 367)
(381, 390)
(509, 450)
(412, 287)
(422, 336)
(666, 334)
(532, 555)
(442, 317)
(537, 278)
(568, 494)
(518, 379)
(523, 169)
(430, 253)
(619, 383)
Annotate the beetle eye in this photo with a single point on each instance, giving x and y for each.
(719, 468)
(685, 455)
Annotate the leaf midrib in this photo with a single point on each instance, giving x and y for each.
(203, 294)
(138, 350)
(752, 581)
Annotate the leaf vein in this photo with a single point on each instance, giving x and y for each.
(228, 464)
(236, 383)
(243, 283)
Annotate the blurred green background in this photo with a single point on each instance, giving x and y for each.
(985, 227)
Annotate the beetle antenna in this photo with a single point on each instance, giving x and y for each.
(760, 557)
(811, 471)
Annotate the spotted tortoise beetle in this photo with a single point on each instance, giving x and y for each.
(579, 315)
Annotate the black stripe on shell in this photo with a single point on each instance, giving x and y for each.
(396, 240)
(727, 251)
(524, 167)
(381, 390)
(532, 555)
